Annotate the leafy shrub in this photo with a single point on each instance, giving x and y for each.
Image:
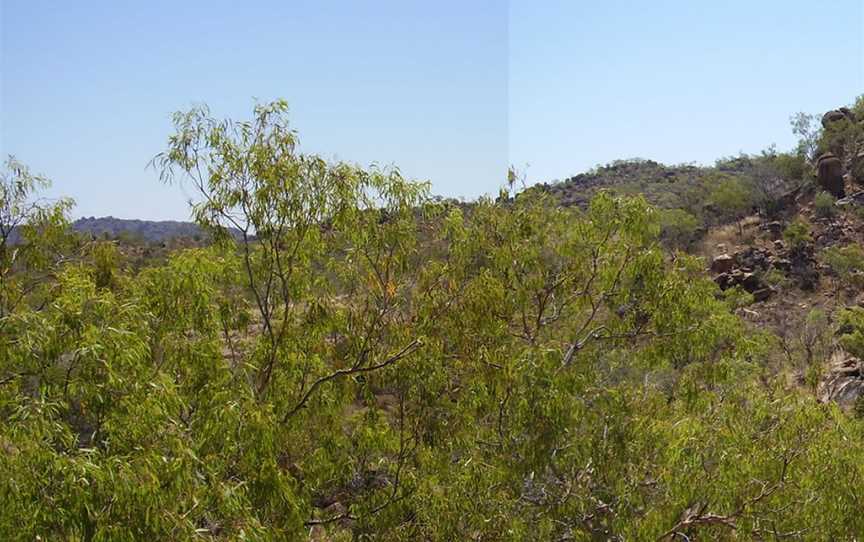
(850, 323)
(791, 166)
(678, 227)
(797, 234)
(847, 262)
(737, 297)
(731, 198)
(823, 205)
(775, 278)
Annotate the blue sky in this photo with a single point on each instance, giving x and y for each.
(449, 91)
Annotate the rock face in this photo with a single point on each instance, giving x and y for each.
(844, 382)
(830, 174)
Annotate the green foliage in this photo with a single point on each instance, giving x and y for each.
(805, 126)
(368, 363)
(737, 297)
(823, 205)
(792, 166)
(850, 323)
(797, 234)
(847, 262)
(732, 198)
(106, 261)
(776, 278)
(678, 227)
(32, 235)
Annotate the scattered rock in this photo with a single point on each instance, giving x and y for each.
(753, 258)
(853, 199)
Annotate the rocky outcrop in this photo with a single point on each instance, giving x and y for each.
(829, 173)
(743, 269)
(746, 268)
(837, 115)
(844, 381)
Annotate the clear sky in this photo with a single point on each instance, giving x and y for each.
(449, 91)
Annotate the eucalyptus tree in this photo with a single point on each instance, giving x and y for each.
(32, 232)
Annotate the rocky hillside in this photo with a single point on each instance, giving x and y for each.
(798, 275)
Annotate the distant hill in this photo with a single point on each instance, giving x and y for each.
(658, 182)
(147, 230)
(767, 177)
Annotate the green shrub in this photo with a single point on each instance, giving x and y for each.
(847, 262)
(732, 199)
(737, 297)
(823, 205)
(678, 227)
(791, 166)
(850, 328)
(775, 278)
(797, 233)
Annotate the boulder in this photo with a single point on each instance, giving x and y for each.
(724, 281)
(830, 174)
(762, 294)
(843, 384)
(722, 264)
(775, 228)
(751, 282)
(837, 115)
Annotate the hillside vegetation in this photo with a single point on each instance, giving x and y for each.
(672, 354)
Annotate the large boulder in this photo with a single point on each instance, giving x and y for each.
(829, 170)
(844, 382)
(837, 115)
